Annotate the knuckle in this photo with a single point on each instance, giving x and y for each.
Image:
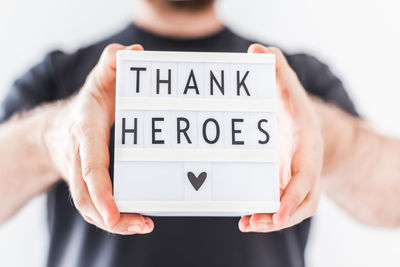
(75, 130)
(279, 54)
(88, 219)
(295, 199)
(91, 170)
(277, 51)
(308, 179)
(88, 170)
(311, 180)
(80, 201)
(111, 48)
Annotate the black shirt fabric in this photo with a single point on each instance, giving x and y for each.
(175, 241)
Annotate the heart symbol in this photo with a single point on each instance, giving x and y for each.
(197, 182)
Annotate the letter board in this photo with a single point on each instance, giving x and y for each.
(196, 134)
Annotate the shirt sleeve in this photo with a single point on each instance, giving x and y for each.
(319, 81)
(35, 87)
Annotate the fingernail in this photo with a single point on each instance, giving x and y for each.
(135, 228)
(146, 229)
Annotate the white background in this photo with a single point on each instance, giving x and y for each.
(359, 39)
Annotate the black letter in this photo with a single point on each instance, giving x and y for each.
(205, 132)
(219, 85)
(263, 131)
(124, 131)
(138, 70)
(234, 132)
(168, 81)
(241, 83)
(154, 131)
(188, 86)
(184, 130)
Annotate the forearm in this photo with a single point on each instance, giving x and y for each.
(361, 170)
(25, 166)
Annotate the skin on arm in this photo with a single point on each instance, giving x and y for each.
(25, 168)
(300, 149)
(361, 170)
(68, 139)
(360, 167)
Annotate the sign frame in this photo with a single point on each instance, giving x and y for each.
(195, 208)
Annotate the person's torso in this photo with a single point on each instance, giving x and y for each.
(175, 241)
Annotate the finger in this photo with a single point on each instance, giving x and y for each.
(96, 176)
(293, 195)
(260, 221)
(283, 119)
(103, 74)
(130, 223)
(101, 81)
(244, 223)
(307, 208)
(255, 223)
(135, 47)
(127, 224)
(306, 169)
(80, 194)
(296, 191)
(306, 160)
(264, 222)
(289, 86)
(283, 70)
(108, 59)
(105, 68)
(95, 161)
(285, 173)
(94, 170)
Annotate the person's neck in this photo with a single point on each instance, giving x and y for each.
(176, 23)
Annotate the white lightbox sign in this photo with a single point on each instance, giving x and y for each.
(196, 134)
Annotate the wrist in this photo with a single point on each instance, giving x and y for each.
(339, 131)
(53, 134)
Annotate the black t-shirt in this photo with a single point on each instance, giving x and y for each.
(175, 241)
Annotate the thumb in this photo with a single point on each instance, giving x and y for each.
(290, 90)
(104, 74)
(100, 84)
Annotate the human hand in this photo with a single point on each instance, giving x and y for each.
(78, 139)
(300, 152)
